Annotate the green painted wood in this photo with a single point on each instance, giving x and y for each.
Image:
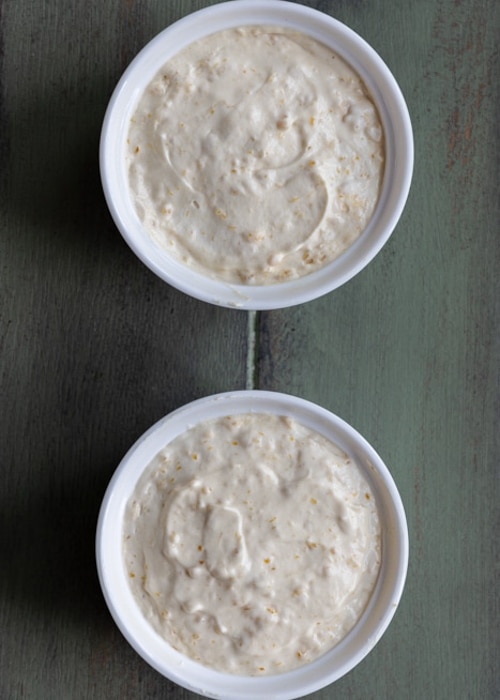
(94, 349)
(408, 353)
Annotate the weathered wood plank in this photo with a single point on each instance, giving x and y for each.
(94, 348)
(408, 352)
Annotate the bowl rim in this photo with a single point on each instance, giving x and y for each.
(384, 90)
(188, 673)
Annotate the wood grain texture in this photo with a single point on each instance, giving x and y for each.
(408, 352)
(94, 349)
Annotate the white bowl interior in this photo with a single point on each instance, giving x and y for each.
(385, 92)
(189, 674)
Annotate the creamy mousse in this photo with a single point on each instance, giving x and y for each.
(252, 544)
(255, 155)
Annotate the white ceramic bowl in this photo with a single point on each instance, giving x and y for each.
(182, 670)
(383, 88)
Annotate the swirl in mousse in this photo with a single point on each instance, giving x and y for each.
(255, 155)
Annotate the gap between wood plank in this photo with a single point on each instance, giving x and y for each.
(253, 350)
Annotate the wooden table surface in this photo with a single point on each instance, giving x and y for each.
(94, 349)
